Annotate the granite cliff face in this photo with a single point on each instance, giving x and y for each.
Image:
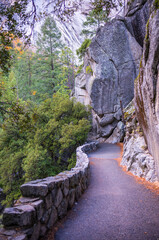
(110, 67)
(123, 49)
(147, 88)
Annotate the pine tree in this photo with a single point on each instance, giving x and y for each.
(47, 68)
(94, 20)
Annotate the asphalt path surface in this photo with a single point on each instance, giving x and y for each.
(114, 207)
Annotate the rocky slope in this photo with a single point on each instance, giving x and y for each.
(147, 87)
(110, 67)
(136, 156)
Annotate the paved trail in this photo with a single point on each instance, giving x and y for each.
(114, 207)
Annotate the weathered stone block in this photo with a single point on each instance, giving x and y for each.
(28, 231)
(34, 190)
(62, 209)
(48, 201)
(71, 198)
(7, 232)
(39, 206)
(58, 198)
(36, 232)
(43, 230)
(46, 216)
(19, 216)
(50, 182)
(78, 192)
(53, 218)
(19, 237)
(58, 181)
(107, 119)
(24, 200)
(65, 187)
(54, 193)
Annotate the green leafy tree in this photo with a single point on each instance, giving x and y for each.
(13, 138)
(93, 21)
(82, 50)
(37, 141)
(49, 46)
(23, 70)
(38, 75)
(67, 67)
(14, 19)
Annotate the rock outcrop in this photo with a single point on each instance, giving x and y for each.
(136, 156)
(110, 67)
(147, 87)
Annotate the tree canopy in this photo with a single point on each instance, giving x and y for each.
(38, 141)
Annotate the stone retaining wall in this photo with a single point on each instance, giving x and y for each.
(44, 201)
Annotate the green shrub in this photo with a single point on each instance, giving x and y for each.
(156, 4)
(79, 69)
(89, 70)
(82, 50)
(40, 141)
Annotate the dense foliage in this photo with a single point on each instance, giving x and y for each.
(37, 141)
(41, 71)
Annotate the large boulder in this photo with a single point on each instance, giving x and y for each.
(147, 88)
(110, 67)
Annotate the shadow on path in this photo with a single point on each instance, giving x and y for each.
(114, 207)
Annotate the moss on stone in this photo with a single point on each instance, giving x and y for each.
(156, 4)
(79, 69)
(89, 70)
(147, 31)
(147, 43)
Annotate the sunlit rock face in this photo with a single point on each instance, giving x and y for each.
(147, 88)
(110, 68)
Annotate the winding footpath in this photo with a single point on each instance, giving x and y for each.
(114, 207)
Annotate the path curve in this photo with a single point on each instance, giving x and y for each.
(114, 207)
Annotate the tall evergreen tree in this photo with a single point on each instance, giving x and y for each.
(49, 46)
(94, 20)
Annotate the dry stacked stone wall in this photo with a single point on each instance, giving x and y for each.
(44, 201)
